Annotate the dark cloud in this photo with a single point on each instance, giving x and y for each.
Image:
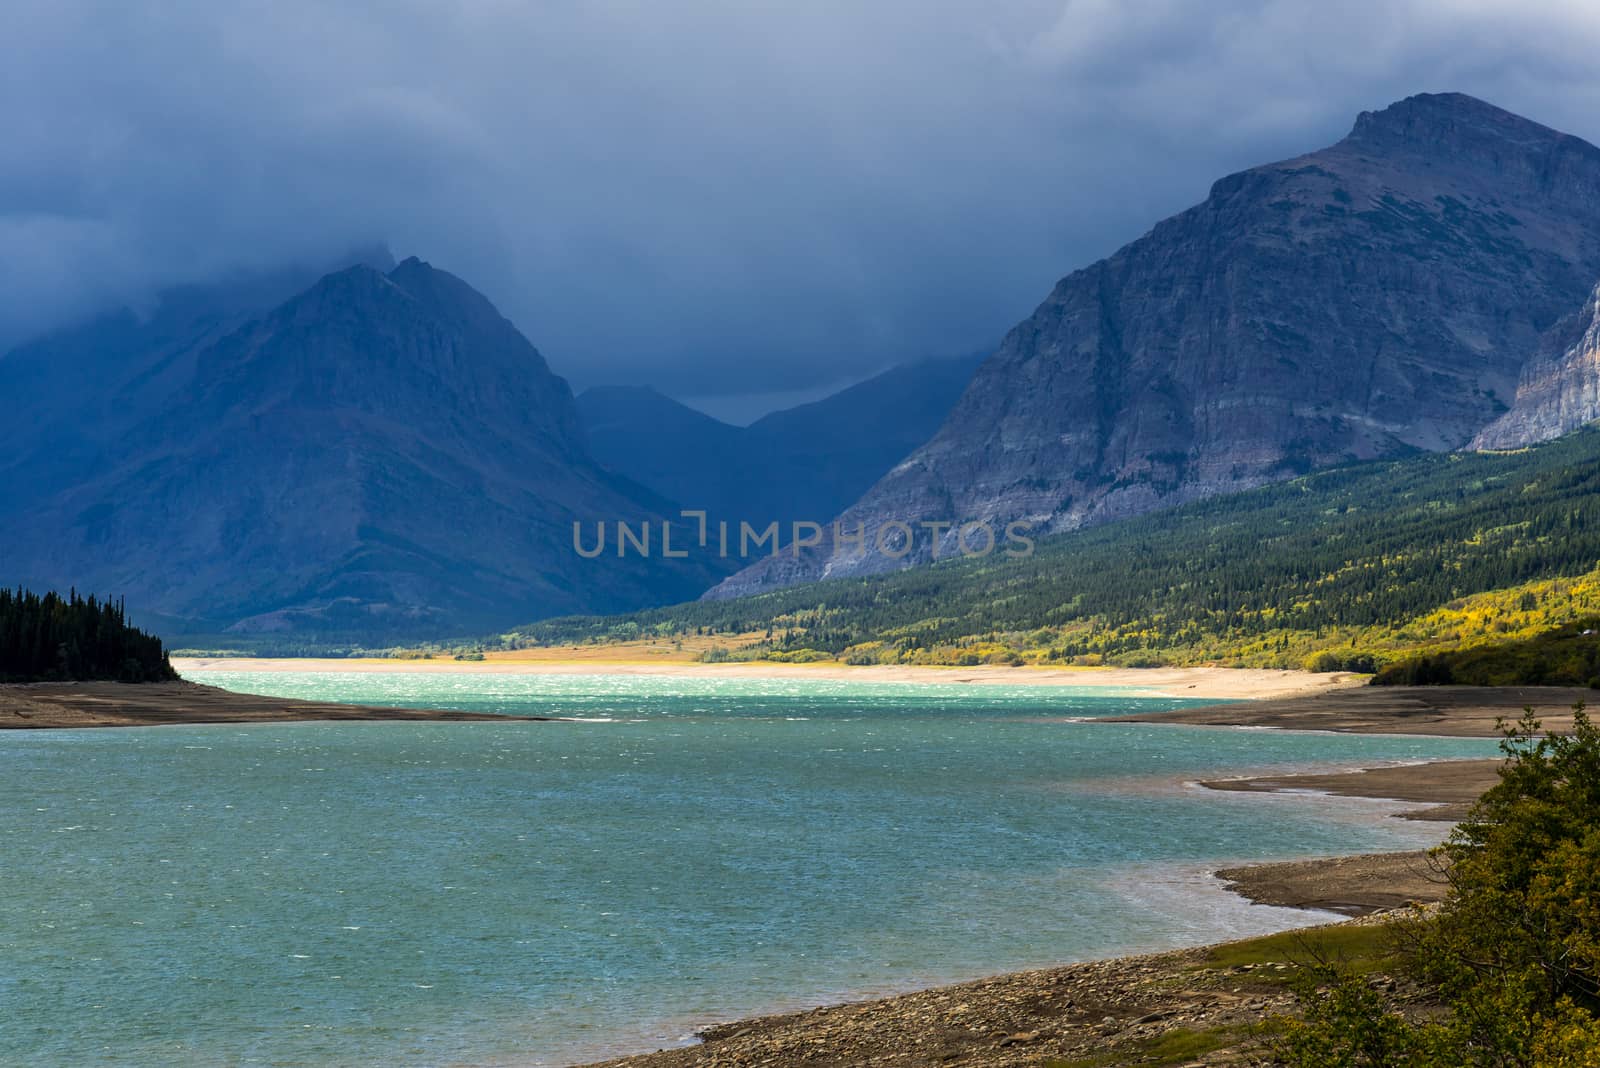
(716, 196)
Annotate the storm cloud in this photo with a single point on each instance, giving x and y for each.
(711, 196)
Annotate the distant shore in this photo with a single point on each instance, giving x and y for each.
(1205, 683)
(57, 705)
(1439, 711)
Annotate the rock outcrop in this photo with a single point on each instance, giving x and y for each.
(1560, 388)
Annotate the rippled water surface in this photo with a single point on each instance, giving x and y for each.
(533, 893)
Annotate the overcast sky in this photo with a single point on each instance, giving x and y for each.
(718, 197)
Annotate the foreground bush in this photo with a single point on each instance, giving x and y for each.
(1509, 967)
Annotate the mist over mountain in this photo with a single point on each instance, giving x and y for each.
(78, 389)
(1378, 297)
(379, 453)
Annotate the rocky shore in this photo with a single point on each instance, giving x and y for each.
(1188, 1007)
(1207, 1006)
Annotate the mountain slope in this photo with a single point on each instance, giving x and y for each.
(684, 455)
(1371, 299)
(84, 386)
(1560, 387)
(802, 464)
(1359, 562)
(822, 456)
(379, 454)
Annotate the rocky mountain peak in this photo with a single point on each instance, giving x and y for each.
(451, 298)
(349, 287)
(1429, 120)
(402, 345)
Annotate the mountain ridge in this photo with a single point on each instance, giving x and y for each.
(1373, 298)
(1340, 569)
(800, 464)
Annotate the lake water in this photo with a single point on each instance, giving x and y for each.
(535, 893)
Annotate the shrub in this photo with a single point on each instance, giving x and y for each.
(1325, 661)
(1342, 660)
(1514, 952)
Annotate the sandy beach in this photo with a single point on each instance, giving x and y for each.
(1211, 683)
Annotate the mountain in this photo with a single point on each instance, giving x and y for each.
(382, 453)
(684, 455)
(1560, 387)
(87, 384)
(802, 464)
(1342, 569)
(1371, 299)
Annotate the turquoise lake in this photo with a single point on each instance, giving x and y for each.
(538, 893)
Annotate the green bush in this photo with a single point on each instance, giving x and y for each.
(1342, 660)
(1323, 662)
(1513, 955)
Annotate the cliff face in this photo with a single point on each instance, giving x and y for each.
(1373, 298)
(382, 453)
(1560, 388)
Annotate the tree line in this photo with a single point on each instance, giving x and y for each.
(1368, 545)
(1566, 656)
(47, 637)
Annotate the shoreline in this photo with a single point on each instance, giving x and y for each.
(1430, 711)
(1025, 1015)
(1242, 920)
(1363, 883)
(1102, 1013)
(86, 705)
(1447, 787)
(1201, 683)
(1121, 1004)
